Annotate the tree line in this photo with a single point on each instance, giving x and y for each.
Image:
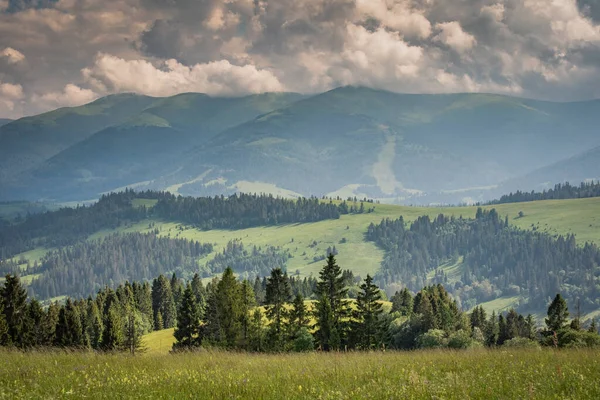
(560, 191)
(226, 314)
(67, 226)
(495, 259)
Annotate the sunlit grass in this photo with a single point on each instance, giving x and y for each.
(478, 374)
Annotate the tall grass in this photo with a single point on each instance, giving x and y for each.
(489, 374)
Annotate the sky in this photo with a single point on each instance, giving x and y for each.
(70, 52)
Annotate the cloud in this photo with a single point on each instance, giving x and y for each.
(114, 74)
(547, 49)
(10, 96)
(71, 95)
(13, 56)
(452, 35)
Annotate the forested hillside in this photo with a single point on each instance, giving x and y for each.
(560, 191)
(497, 260)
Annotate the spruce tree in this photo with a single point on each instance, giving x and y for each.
(330, 288)
(49, 324)
(492, 330)
(188, 330)
(558, 314)
(228, 301)
(402, 302)
(4, 337)
(256, 334)
(14, 298)
(200, 293)
(248, 301)
(163, 302)
(69, 330)
(33, 335)
(298, 316)
(94, 326)
(133, 332)
(278, 293)
(114, 328)
(367, 326)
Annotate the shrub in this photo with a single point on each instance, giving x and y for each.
(304, 341)
(522, 343)
(432, 339)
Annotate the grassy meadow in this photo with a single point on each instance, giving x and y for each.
(489, 374)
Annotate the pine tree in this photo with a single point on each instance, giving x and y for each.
(94, 326)
(367, 327)
(49, 324)
(114, 328)
(33, 335)
(331, 330)
(200, 293)
(592, 329)
(248, 302)
(69, 330)
(4, 337)
(326, 333)
(402, 302)
(298, 316)
(558, 314)
(228, 308)
(256, 334)
(163, 302)
(492, 330)
(134, 331)
(278, 293)
(14, 298)
(188, 330)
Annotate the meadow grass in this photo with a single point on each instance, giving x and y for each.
(481, 374)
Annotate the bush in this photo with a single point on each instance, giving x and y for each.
(461, 340)
(432, 339)
(522, 343)
(304, 341)
(578, 339)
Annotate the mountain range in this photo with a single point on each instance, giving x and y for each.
(350, 141)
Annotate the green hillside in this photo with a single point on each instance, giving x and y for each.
(307, 243)
(147, 145)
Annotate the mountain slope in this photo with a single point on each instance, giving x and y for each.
(28, 142)
(579, 168)
(4, 121)
(148, 144)
(388, 145)
(350, 141)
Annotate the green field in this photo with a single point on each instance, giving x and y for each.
(489, 374)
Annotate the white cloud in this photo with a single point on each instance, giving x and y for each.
(71, 95)
(10, 96)
(115, 74)
(452, 35)
(396, 15)
(13, 56)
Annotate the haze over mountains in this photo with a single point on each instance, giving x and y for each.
(347, 141)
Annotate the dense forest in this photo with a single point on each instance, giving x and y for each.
(497, 260)
(84, 268)
(224, 314)
(67, 226)
(560, 191)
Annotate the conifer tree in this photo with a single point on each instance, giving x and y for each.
(94, 326)
(200, 293)
(367, 327)
(228, 301)
(163, 303)
(402, 302)
(33, 334)
(69, 331)
(492, 330)
(277, 294)
(49, 324)
(4, 337)
(248, 300)
(134, 331)
(558, 314)
(256, 334)
(188, 330)
(113, 335)
(14, 298)
(592, 329)
(298, 316)
(330, 320)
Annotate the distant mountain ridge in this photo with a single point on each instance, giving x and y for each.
(350, 141)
